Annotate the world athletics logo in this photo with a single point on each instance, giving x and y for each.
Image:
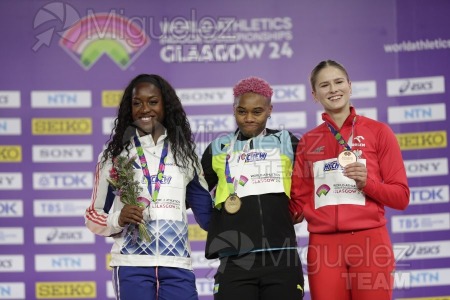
(87, 39)
(322, 190)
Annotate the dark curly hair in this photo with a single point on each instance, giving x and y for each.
(175, 121)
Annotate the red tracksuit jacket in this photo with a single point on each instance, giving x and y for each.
(386, 179)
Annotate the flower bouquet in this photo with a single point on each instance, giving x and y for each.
(121, 178)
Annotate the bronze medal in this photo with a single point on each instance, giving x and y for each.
(346, 157)
(233, 204)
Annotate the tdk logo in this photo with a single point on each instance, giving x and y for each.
(212, 123)
(289, 93)
(429, 194)
(11, 208)
(63, 181)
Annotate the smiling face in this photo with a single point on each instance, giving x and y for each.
(251, 113)
(332, 89)
(147, 108)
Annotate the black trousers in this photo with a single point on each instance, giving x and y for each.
(265, 275)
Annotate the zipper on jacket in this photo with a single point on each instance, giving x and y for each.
(259, 202)
(261, 215)
(336, 217)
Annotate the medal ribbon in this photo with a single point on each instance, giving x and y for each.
(337, 135)
(144, 167)
(233, 184)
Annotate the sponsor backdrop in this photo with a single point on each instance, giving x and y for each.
(65, 63)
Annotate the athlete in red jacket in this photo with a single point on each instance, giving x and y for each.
(347, 169)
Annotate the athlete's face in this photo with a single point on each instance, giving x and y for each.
(332, 89)
(147, 107)
(251, 113)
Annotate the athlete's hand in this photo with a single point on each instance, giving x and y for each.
(297, 218)
(131, 214)
(358, 172)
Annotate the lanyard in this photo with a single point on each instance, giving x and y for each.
(233, 183)
(144, 166)
(337, 135)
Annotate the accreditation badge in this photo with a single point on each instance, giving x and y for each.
(346, 157)
(232, 204)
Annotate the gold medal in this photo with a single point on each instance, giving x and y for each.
(346, 157)
(233, 204)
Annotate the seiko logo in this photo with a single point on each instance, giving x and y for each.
(10, 153)
(74, 290)
(63, 126)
